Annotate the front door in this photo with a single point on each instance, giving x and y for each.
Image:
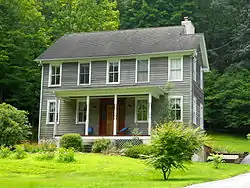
(110, 120)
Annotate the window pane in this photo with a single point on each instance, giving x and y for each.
(175, 107)
(57, 70)
(110, 67)
(111, 77)
(116, 77)
(53, 80)
(142, 111)
(116, 67)
(142, 65)
(52, 107)
(57, 80)
(51, 117)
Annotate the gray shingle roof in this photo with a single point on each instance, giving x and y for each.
(122, 42)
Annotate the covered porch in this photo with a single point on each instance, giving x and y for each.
(112, 113)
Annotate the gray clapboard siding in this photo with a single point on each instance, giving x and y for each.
(158, 77)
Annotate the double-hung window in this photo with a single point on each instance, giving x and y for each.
(176, 108)
(81, 110)
(175, 68)
(113, 72)
(84, 73)
(142, 70)
(51, 111)
(194, 110)
(194, 69)
(55, 75)
(141, 110)
(201, 78)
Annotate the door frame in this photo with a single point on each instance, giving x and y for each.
(103, 114)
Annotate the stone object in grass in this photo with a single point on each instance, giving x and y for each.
(246, 160)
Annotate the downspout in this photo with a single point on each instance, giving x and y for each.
(40, 106)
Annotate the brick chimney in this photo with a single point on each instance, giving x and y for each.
(189, 27)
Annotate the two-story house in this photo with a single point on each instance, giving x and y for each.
(105, 84)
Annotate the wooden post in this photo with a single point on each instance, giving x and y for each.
(87, 117)
(115, 115)
(55, 119)
(149, 113)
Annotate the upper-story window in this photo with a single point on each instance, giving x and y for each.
(175, 68)
(176, 108)
(195, 69)
(201, 78)
(55, 75)
(142, 70)
(141, 110)
(84, 73)
(113, 72)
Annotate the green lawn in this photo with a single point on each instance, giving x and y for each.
(100, 171)
(231, 142)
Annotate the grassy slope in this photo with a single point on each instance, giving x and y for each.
(233, 142)
(99, 171)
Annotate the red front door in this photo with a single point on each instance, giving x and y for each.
(107, 116)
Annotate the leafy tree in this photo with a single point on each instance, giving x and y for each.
(148, 13)
(228, 98)
(173, 144)
(64, 16)
(14, 125)
(22, 38)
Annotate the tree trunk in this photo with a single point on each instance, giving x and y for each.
(164, 173)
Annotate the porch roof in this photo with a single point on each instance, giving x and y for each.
(156, 91)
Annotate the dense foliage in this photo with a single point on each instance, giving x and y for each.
(139, 151)
(71, 141)
(14, 126)
(173, 144)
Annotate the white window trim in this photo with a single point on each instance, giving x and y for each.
(195, 70)
(201, 78)
(201, 116)
(77, 111)
(169, 64)
(90, 72)
(47, 113)
(50, 72)
(178, 97)
(107, 71)
(195, 110)
(135, 114)
(136, 70)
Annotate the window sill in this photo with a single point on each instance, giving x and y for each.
(175, 80)
(113, 83)
(84, 84)
(80, 123)
(52, 123)
(141, 121)
(54, 86)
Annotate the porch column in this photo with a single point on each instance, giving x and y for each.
(149, 113)
(87, 117)
(56, 118)
(115, 115)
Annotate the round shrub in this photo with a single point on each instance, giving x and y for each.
(71, 141)
(139, 151)
(101, 145)
(14, 125)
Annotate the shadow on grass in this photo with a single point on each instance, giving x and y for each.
(200, 179)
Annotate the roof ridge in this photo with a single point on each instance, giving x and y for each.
(122, 30)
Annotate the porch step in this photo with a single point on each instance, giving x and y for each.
(88, 147)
